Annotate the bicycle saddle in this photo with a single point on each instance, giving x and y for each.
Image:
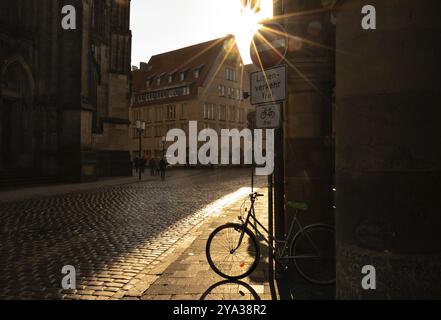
(303, 206)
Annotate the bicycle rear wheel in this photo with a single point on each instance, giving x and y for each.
(313, 253)
(226, 258)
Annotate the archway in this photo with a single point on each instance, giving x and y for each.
(16, 116)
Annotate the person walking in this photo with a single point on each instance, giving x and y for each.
(136, 163)
(143, 164)
(157, 169)
(152, 165)
(162, 168)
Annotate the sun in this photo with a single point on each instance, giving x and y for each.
(246, 22)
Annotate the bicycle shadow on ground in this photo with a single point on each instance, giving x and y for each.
(289, 283)
(230, 290)
(292, 286)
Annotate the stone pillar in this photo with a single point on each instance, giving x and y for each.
(69, 97)
(307, 114)
(388, 154)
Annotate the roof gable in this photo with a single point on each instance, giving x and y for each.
(200, 57)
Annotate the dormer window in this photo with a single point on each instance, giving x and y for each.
(197, 71)
(230, 74)
(147, 83)
(183, 74)
(170, 79)
(159, 79)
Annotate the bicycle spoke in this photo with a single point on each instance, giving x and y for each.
(227, 256)
(314, 254)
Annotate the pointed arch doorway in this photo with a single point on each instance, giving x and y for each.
(17, 141)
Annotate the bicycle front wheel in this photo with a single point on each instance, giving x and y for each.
(313, 253)
(230, 258)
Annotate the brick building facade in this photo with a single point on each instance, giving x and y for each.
(203, 83)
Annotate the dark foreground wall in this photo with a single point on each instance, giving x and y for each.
(388, 157)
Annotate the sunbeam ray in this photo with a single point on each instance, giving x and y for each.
(289, 63)
(213, 77)
(316, 44)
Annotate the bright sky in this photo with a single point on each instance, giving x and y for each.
(163, 25)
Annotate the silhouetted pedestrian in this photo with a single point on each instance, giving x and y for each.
(152, 165)
(162, 168)
(157, 169)
(136, 164)
(143, 164)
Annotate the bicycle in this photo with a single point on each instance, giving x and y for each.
(267, 113)
(233, 250)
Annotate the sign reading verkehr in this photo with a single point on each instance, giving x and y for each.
(269, 85)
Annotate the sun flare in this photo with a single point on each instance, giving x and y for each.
(246, 22)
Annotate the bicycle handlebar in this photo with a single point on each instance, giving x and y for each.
(256, 195)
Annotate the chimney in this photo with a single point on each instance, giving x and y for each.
(143, 66)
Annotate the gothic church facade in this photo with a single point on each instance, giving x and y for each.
(64, 94)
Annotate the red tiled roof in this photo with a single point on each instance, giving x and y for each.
(200, 56)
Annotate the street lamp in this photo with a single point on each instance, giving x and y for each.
(140, 127)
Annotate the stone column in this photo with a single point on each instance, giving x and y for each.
(388, 154)
(70, 100)
(307, 114)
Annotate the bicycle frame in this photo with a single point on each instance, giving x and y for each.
(279, 252)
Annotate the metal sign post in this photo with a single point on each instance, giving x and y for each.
(269, 92)
(279, 187)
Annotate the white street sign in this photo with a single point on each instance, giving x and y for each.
(268, 86)
(268, 116)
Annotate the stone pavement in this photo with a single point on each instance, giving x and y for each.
(186, 274)
(25, 193)
(116, 236)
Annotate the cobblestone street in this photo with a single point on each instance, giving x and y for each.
(113, 235)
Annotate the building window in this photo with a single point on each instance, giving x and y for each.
(238, 94)
(230, 93)
(241, 116)
(170, 79)
(221, 91)
(231, 114)
(171, 112)
(186, 91)
(182, 76)
(184, 111)
(159, 116)
(158, 81)
(196, 74)
(136, 115)
(147, 83)
(230, 74)
(222, 113)
(209, 111)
